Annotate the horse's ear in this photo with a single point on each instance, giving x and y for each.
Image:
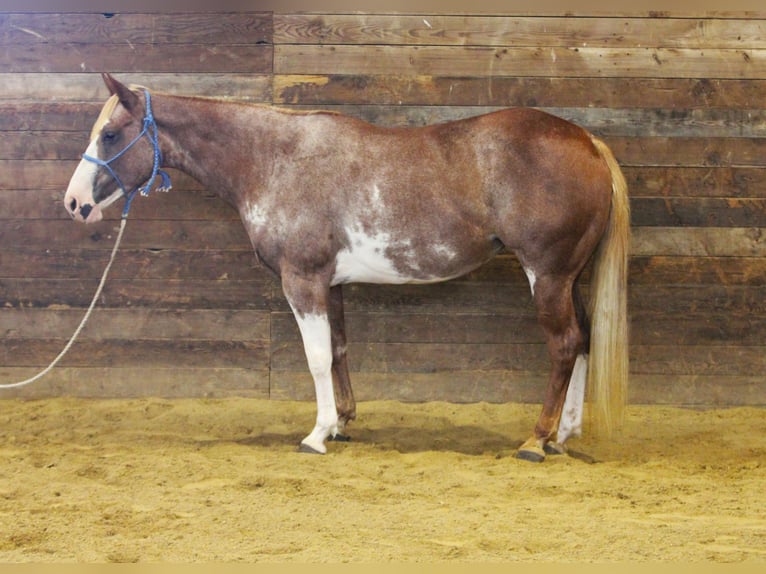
(127, 98)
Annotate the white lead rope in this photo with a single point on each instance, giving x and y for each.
(80, 327)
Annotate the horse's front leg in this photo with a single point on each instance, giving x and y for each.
(309, 298)
(344, 396)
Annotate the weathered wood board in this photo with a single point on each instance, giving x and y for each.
(187, 310)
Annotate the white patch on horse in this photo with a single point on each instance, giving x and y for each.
(444, 251)
(365, 261)
(532, 279)
(255, 215)
(571, 415)
(315, 332)
(376, 195)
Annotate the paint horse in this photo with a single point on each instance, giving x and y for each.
(327, 200)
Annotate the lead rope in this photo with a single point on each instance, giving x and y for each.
(81, 326)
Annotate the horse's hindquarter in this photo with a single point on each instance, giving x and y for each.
(550, 188)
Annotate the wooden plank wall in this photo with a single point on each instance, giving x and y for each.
(187, 312)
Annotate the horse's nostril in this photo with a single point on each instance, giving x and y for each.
(85, 210)
(73, 205)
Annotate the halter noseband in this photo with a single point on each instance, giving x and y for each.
(149, 130)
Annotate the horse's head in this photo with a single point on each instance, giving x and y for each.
(118, 158)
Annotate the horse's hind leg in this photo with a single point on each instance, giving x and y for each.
(570, 423)
(344, 396)
(565, 340)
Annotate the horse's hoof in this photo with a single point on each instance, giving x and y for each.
(339, 438)
(531, 454)
(306, 449)
(555, 448)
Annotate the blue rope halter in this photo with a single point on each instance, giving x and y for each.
(149, 130)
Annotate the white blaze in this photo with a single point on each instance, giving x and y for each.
(84, 178)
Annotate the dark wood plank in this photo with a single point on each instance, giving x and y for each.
(698, 241)
(425, 328)
(704, 270)
(230, 235)
(44, 181)
(256, 294)
(423, 357)
(623, 122)
(649, 270)
(160, 264)
(538, 61)
(505, 91)
(177, 58)
(113, 382)
(413, 357)
(689, 152)
(698, 212)
(205, 208)
(181, 203)
(710, 330)
(87, 90)
(148, 324)
(698, 391)
(701, 361)
(525, 387)
(671, 329)
(696, 182)
(25, 29)
(39, 175)
(734, 152)
(459, 296)
(478, 30)
(221, 234)
(138, 353)
(215, 264)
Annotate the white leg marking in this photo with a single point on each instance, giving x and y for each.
(532, 279)
(315, 331)
(571, 415)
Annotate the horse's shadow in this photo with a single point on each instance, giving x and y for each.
(463, 439)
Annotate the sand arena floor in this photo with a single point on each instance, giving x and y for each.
(219, 480)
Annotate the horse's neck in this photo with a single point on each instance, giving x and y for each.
(217, 143)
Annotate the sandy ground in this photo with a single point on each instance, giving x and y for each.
(219, 480)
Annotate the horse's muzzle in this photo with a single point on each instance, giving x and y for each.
(86, 212)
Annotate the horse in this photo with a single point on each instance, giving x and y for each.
(328, 199)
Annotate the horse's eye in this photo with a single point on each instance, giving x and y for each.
(109, 137)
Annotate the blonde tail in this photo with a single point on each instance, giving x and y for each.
(608, 360)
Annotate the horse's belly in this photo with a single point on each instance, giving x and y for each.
(380, 259)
